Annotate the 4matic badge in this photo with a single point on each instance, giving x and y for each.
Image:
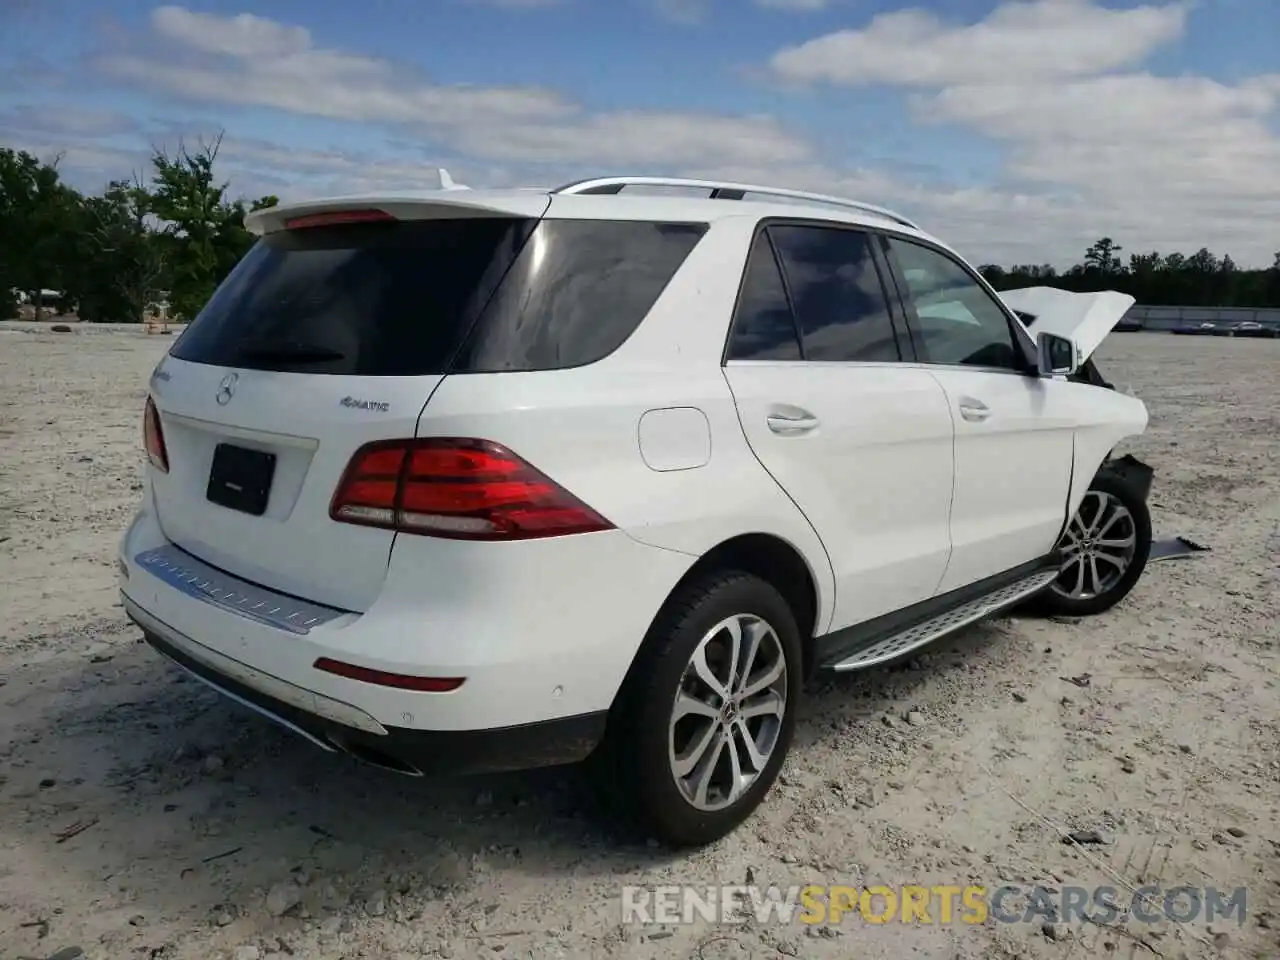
(355, 403)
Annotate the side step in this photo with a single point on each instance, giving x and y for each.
(919, 634)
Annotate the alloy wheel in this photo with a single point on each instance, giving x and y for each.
(728, 712)
(1099, 546)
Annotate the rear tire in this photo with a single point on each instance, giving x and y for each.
(707, 714)
(1107, 544)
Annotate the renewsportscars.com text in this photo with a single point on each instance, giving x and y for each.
(936, 904)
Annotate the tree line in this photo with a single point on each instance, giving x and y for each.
(1202, 279)
(173, 235)
(168, 237)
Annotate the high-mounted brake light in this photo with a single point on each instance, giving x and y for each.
(458, 488)
(153, 437)
(337, 217)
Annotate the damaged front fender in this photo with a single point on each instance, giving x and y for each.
(1131, 471)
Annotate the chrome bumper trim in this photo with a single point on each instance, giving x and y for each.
(177, 568)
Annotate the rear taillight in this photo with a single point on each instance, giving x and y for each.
(153, 437)
(458, 488)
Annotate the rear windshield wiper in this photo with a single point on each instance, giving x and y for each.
(287, 350)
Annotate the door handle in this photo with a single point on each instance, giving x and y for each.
(791, 426)
(974, 410)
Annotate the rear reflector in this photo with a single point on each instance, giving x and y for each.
(381, 678)
(153, 437)
(463, 489)
(337, 217)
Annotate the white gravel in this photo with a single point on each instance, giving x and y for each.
(205, 832)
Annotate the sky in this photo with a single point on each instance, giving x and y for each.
(1017, 131)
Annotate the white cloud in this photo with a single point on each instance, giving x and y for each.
(1040, 40)
(257, 62)
(1153, 161)
(1093, 146)
(1101, 130)
(67, 119)
(245, 35)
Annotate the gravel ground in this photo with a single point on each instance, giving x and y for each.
(142, 816)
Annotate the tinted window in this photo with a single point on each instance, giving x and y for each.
(958, 320)
(372, 299)
(839, 301)
(578, 289)
(764, 328)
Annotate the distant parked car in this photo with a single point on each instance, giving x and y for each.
(1207, 328)
(1129, 326)
(1251, 328)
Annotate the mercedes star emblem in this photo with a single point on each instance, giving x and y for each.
(227, 388)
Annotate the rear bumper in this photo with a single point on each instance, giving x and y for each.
(334, 725)
(542, 631)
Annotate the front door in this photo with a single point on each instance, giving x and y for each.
(1014, 431)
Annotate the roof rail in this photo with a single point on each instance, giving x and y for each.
(727, 191)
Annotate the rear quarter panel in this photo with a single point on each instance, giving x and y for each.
(581, 426)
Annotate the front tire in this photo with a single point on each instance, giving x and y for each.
(708, 712)
(1107, 544)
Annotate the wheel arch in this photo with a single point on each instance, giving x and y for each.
(772, 559)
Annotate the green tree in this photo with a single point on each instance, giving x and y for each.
(189, 202)
(202, 230)
(1104, 257)
(127, 265)
(39, 215)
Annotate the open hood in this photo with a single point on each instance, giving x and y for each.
(1084, 318)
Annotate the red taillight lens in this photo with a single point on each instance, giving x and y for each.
(381, 678)
(458, 488)
(153, 437)
(336, 218)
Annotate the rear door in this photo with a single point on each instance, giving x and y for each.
(859, 439)
(322, 339)
(1014, 431)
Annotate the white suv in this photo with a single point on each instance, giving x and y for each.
(476, 480)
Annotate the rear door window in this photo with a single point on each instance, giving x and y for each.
(368, 299)
(837, 294)
(764, 328)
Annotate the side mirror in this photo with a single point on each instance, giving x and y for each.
(1056, 356)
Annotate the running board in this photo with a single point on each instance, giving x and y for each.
(920, 634)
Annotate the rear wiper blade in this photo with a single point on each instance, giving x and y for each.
(287, 350)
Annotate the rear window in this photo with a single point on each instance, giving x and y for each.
(368, 299)
(432, 296)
